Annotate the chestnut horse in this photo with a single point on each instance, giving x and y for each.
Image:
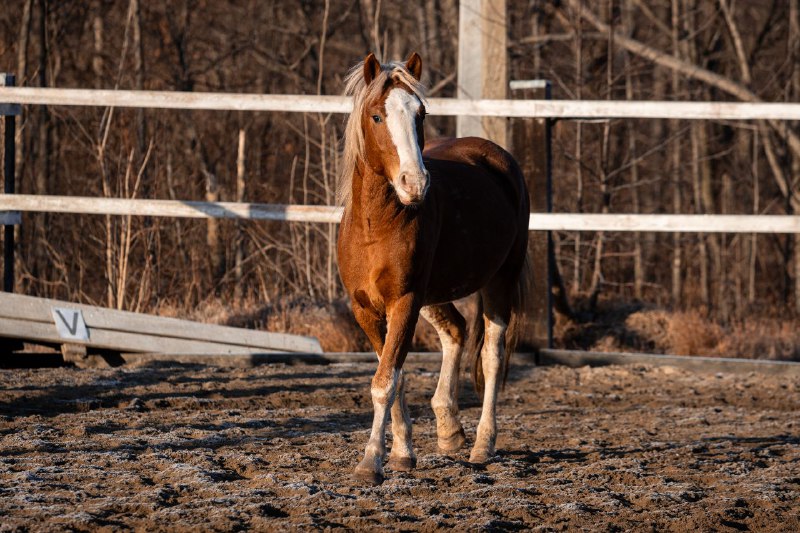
(421, 229)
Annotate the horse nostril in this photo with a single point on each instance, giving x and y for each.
(404, 179)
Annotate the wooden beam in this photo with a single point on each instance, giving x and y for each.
(606, 109)
(26, 317)
(574, 359)
(531, 148)
(329, 214)
(588, 109)
(667, 223)
(545, 357)
(169, 208)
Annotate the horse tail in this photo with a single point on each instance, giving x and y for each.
(474, 346)
(518, 324)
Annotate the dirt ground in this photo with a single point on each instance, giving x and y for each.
(272, 447)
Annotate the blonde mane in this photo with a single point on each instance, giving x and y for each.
(362, 95)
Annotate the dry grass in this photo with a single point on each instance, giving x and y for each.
(622, 327)
(333, 324)
(616, 327)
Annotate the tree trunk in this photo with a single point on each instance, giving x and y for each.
(44, 148)
(794, 43)
(698, 73)
(576, 267)
(751, 280)
(238, 293)
(597, 274)
(638, 271)
(97, 33)
(677, 257)
(22, 81)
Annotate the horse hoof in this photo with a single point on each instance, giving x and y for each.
(454, 442)
(479, 457)
(369, 477)
(402, 464)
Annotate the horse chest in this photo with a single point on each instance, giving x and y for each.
(382, 265)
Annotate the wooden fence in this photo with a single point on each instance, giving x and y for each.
(11, 205)
(591, 109)
(330, 214)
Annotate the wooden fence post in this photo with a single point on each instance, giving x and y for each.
(482, 65)
(9, 112)
(531, 148)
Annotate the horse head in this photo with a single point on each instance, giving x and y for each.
(392, 125)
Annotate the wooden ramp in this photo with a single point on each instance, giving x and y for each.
(80, 328)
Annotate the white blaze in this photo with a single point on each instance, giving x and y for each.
(401, 112)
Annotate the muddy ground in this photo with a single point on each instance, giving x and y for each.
(272, 447)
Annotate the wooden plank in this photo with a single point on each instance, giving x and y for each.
(38, 310)
(177, 100)
(605, 109)
(588, 109)
(119, 340)
(531, 148)
(574, 359)
(695, 363)
(329, 214)
(235, 360)
(271, 358)
(169, 208)
(667, 223)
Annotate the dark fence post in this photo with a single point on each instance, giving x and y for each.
(9, 112)
(531, 148)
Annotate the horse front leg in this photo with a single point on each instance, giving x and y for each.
(402, 318)
(402, 458)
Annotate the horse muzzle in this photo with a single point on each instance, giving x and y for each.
(411, 187)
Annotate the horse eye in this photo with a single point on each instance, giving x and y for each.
(377, 118)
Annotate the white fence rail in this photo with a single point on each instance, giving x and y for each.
(441, 106)
(308, 213)
(437, 106)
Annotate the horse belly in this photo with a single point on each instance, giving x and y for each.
(469, 253)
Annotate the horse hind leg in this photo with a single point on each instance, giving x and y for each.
(451, 327)
(496, 318)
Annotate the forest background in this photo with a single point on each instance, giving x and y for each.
(683, 293)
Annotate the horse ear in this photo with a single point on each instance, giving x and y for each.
(414, 65)
(371, 68)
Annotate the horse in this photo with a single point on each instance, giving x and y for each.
(421, 229)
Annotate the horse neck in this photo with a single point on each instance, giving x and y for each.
(371, 195)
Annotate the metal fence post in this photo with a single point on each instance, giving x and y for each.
(9, 112)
